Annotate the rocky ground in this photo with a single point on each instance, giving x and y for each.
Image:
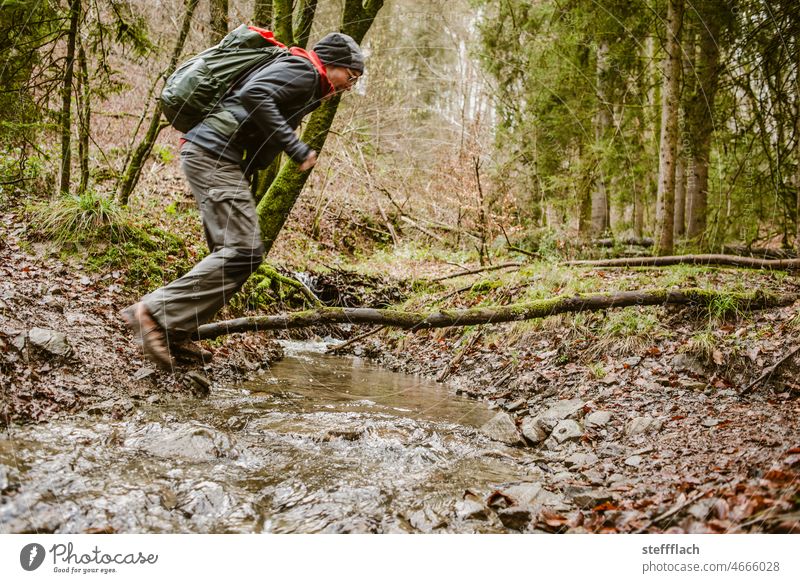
(638, 436)
(647, 434)
(63, 347)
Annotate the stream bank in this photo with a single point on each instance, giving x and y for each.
(638, 431)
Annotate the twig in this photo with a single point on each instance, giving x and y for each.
(769, 371)
(421, 229)
(528, 253)
(482, 269)
(451, 366)
(339, 347)
(671, 512)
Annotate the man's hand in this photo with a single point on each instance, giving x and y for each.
(309, 162)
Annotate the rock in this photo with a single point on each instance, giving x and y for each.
(615, 478)
(683, 361)
(470, 510)
(533, 429)
(566, 430)
(143, 373)
(514, 517)
(525, 494)
(50, 341)
(8, 482)
(612, 450)
(19, 341)
(692, 385)
(581, 460)
(597, 419)
(594, 477)
(514, 405)
(710, 422)
(502, 428)
(634, 461)
(643, 425)
(426, 520)
(200, 384)
(586, 497)
(563, 409)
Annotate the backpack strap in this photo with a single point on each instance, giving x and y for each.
(269, 36)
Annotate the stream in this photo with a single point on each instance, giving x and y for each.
(319, 444)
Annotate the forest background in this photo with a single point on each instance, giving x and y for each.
(478, 124)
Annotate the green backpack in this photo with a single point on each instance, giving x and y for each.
(199, 84)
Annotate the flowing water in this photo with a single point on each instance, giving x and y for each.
(320, 444)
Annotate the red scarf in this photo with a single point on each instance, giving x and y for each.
(269, 36)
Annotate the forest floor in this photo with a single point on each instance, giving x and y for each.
(635, 413)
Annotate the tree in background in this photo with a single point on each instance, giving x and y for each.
(277, 203)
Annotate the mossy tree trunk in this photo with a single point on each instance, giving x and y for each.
(714, 17)
(277, 203)
(66, 98)
(282, 21)
(219, 20)
(665, 202)
(742, 301)
(262, 13)
(84, 118)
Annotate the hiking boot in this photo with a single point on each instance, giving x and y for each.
(149, 334)
(188, 350)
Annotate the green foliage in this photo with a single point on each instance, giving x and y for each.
(163, 153)
(80, 218)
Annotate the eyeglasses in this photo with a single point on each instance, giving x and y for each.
(352, 77)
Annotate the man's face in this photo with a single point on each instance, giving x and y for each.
(341, 78)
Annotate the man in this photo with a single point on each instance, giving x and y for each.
(253, 124)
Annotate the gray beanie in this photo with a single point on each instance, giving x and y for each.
(341, 50)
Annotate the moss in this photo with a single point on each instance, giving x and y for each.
(485, 286)
(151, 257)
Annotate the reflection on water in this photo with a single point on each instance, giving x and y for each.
(321, 444)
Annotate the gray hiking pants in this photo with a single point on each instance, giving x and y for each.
(231, 226)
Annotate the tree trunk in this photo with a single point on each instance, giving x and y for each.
(66, 98)
(282, 18)
(218, 20)
(262, 13)
(134, 169)
(84, 118)
(276, 205)
(700, 116)
(680, 195)
(797, 147)
(602, 122)
(683, 166)
(474, 316)
(305, 18)
(665, 200)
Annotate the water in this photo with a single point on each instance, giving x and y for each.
(321, 444)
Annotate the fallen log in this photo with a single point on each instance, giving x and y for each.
(760, 252)
(727, 260)
(469, 317)
(632, 241)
